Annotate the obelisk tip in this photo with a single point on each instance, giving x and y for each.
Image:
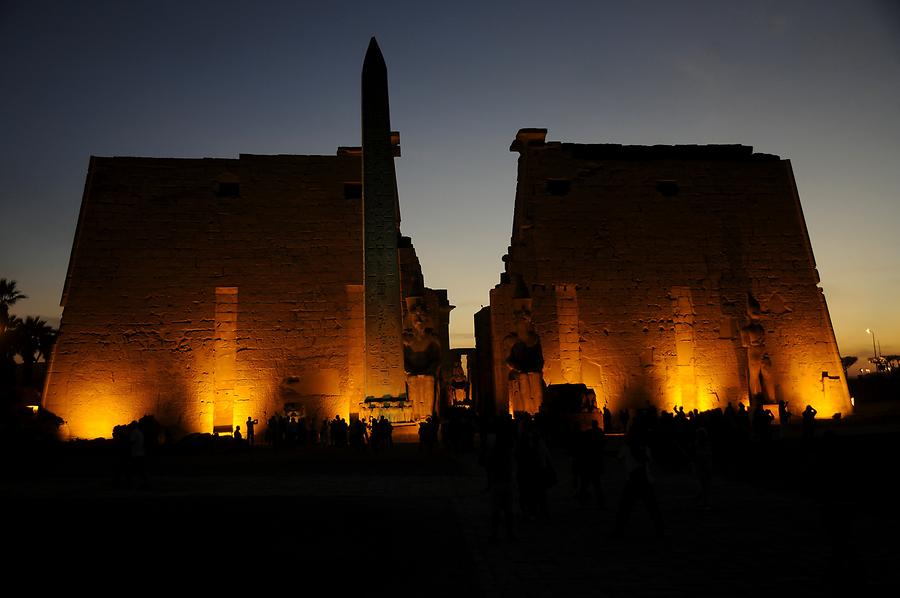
(373, 54)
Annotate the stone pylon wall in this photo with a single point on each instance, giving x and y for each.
(181, 292)
(654, 251)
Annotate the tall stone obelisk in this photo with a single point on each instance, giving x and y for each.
(385, 376)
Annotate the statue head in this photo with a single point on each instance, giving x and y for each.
(417, 313)
(523, 324)
(522, 311)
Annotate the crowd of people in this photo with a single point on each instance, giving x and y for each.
(515, 456)
(292, 431)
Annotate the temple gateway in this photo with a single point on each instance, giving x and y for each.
(206, 291)
(675, 275)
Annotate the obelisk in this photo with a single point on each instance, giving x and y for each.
(385, 376)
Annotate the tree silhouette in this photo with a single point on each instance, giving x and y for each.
(33, 340)
(848, 361)
(9, 294)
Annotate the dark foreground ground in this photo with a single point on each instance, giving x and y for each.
(331, 522)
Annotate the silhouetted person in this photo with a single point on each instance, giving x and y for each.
(624, 416)
(292, 431)
(338, 429)
(638, 485)
(428, 432)
(730, 414)
(325, 433)
(312, 432)
(743, 422)
(302, 431)
(809, 422)
(237, 435)
(343, 431)
(589, 464)
(784, 417)
(385, 431)
(276, 430)
(250, 429)
(137, 465)
(269, 436)
(358, 434)
(278, 426)
(501, 474)
(423, 433)
(122, 443)
(702, 465)
(535, 472)
(762, 422)
(607, 419)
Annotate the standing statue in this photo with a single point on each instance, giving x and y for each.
(421, 359)
(759, 365)
(525, 361)
(458, 387)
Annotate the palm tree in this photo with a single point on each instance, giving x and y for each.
(46, 342)
(34, 338)
(8, 350)
(9, 294)
(8, 339)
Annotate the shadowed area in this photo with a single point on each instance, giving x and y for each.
(790, 516)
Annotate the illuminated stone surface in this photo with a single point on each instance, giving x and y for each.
(641, 262)
(206, 291)
(225, 359)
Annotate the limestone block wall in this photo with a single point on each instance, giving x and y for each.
(277, 239)
(642, 262)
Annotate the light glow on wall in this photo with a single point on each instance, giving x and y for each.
(96, 408)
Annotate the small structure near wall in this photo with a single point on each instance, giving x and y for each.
(678, 275)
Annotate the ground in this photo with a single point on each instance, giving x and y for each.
(334, 522)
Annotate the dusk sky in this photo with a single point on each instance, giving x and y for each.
(815, 82)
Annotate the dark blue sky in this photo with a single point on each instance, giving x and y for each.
(815, 82)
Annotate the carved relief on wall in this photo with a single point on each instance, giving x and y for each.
(759, 364)
(421, 357)
(525, 361)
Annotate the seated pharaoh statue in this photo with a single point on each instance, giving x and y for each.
(759, 365)
(525, 361)
(421, 359)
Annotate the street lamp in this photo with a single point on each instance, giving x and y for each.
(869, 331)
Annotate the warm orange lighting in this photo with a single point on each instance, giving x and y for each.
(97, 417)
